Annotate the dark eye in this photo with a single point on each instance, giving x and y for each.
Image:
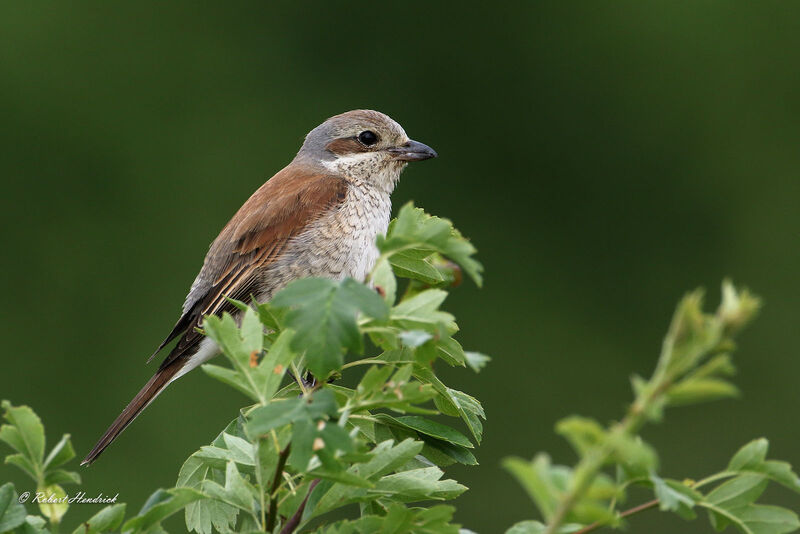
(367, 138)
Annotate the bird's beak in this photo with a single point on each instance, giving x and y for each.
(412, 151)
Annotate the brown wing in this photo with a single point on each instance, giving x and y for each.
(254, 237)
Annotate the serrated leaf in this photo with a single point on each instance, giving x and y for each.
(675, 497)
(202, 515)
(414, 338)
(323, 315)
(284, 411)
(452, 402)
(414, 232)
(422, 311)
(236, 492)
(476, 360)
(418, 484)
(386, 457)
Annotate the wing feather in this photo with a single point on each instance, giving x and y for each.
(254, 238)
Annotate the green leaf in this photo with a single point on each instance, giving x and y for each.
(761, 519)
(451, 351)
(373, 380)
(453, 402)
(271, 316)
(60, 454)
(535, 527)
(427, 427)
(583, 433)
(160, 505)
(450, 452)
(108, 519)
(280, 412)
(24, 433)
(476, 360)
(675, 497)
(414, 233)
(323, 315)
(55, 504)
(422, 312)
(527, 527)
(33, 524)
(414, 338)
(418, 484)
(383, 278)
(227, 335)
(230, 377)
(386, 457)
(754, 518)
(738, 492)
(60, 476)
(536, 477)
(236, 492)
(23, 463)
(750, 455)
(344, 477)
(700, 390)
(12, 513)
(751, 458)
(407, 266)
(205, 514)
(400, 520)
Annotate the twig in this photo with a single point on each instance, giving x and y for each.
(626, 513)
(292, 524)
(276, 482)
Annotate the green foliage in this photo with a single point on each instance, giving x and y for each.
(308, 448)
(312, 447)
(694, 366)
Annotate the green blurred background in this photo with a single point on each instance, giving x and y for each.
(604, 157)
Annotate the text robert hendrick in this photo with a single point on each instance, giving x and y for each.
(79, 498)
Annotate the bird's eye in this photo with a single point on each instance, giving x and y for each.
(367, 138)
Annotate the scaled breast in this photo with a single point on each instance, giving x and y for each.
(340, 244)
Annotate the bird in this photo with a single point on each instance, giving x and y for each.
(318, 216)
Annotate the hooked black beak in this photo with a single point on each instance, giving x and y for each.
(413, 151)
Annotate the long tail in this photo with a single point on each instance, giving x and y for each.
(142, 399)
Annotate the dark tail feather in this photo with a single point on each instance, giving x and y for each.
(142, 399)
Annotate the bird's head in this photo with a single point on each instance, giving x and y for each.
(364, 146)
